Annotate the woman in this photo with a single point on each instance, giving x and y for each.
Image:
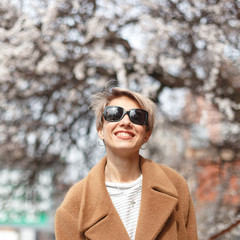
(126, 196)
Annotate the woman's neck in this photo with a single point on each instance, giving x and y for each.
(122, 169)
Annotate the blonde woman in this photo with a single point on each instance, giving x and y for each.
(126, 196)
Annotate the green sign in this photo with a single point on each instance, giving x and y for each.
(17, 206)
(39, 219)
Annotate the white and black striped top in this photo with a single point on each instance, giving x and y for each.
(122, 194)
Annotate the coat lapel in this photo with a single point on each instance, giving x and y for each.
(98, 218)
(159, 198)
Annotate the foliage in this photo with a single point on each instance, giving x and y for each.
(56, 54)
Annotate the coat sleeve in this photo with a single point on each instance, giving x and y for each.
(191, 224)
(67, 215)
(66, 226)
(185, 211)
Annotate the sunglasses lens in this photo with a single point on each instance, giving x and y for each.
(113, 113)
(138, 116)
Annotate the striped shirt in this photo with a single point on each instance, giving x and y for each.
(122, 194)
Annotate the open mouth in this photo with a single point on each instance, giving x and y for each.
(124, 134)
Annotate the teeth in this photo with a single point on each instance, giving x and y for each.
(124, 134)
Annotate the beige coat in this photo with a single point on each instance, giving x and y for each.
(166, 211)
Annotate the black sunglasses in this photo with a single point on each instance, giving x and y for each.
(115, 114)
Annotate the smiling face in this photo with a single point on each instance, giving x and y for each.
(123, 137)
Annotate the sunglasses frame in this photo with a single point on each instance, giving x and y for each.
(124, 113)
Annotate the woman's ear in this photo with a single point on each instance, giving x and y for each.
(148, 134)
(100, 133)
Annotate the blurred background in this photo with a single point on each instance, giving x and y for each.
(54, 54)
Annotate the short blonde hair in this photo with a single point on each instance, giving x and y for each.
(101, 100)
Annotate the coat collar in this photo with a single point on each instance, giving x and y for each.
(98, 218)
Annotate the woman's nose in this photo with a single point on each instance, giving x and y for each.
(125, 120)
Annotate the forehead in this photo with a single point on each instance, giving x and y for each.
(125, 102)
